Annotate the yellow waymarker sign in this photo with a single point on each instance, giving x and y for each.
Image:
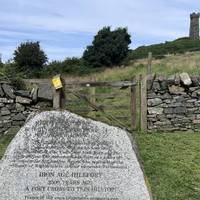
(57, 82)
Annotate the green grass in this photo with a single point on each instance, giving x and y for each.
(172, 164)
(4, 142)
(171, 64)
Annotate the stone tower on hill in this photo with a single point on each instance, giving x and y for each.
(194, 25)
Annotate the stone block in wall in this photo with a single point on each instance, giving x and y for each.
(168, 101)
(197, 111)
(179, 99)
(2, 130)
(197, 116)
(42, 105)
(23, 100)
(156, 86)
(1, 92)
(161, 117)
(45, 92)
(180, 110)
(5, 111)
(166, 96)
(191, 110)
(12, 114)
(154, 102)
(151, 118)
(185, 79)
(170, 116)
(26, 113)
(195, 80)
(196, 94)
(5, 100)
(34, 94)
(11, 106)
(163, 105)
(7, 123)
(19, 117)
(22, 93)
(1, 124)
(193, 89)
(19, 107)
(191, 101)
(175, 110)
(150, 80)
(191, 116)
(162, 81)
(197, 103)
(181, 121)
(12, 130)
(163, 123)
(175, 105)
(8, 90)
(155, 110)
(196, 121)
(169, 110)
(177, 79)
(163, 85)
(2, 105)
(18, 123)
(151, 95)
(176, 90)
(190, 104)
(5, 117)
(160, 78)
(171, 80)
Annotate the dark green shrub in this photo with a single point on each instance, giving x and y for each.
(108, 48)
(29, 56)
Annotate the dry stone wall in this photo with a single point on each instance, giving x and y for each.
(173, 103)
(16, 105)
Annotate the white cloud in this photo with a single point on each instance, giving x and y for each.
(156, 19)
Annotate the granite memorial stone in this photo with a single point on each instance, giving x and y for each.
(62, 156)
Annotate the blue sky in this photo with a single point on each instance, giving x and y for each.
(65, 27)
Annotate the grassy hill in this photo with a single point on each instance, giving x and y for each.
(170, 64)
(180, 45)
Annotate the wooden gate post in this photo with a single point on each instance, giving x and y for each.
(149, 70)
(143, 105)
(93, 100)
(59, 96)
(133, 106)
(57, 99)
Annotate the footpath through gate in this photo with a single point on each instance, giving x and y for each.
(119, 103)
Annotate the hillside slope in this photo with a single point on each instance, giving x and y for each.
(171, 64)
(180, 45)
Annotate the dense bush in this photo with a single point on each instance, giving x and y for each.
(180, 45)
(9, 73)
(30, 57)
(70, 66)
(108, 48)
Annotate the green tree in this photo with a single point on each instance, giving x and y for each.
(108, 48)
(1, 63)
(29, 56)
